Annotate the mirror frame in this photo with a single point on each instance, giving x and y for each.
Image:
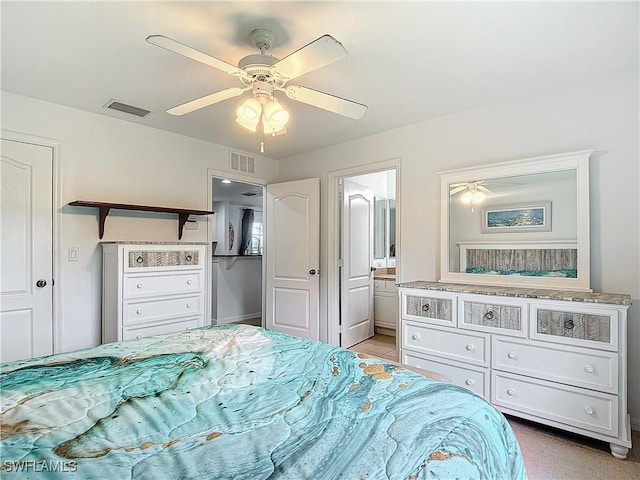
(578, 161)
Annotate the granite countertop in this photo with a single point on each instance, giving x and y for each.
(542, 293)
(385, 273)
(385, 276)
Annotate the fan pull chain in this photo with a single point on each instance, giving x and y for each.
(262, 141)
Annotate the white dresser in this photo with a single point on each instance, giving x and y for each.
(153, 288)
(554, 357)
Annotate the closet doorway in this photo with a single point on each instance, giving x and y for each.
(237, 246)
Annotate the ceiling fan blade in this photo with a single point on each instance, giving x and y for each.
(177, 47)
(483, 189)
(454, 185)
(325, 101)
(317, 54)
(457, 189)
(206, 100)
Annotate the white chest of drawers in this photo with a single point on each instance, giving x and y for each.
(558, 358)
(150, 289)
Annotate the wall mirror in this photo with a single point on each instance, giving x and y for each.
(384, 228)
(379, 227)
(523, 223)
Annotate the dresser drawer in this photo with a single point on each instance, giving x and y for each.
(129, 333)
(580, 367)
(431, 308)
(140, 312)
(173, 283)
(593, 411)
(166, 259)
(505, 317)
(475, 379)
(445, 342)
(588, 325)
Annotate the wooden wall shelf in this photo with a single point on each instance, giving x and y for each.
(105, 207)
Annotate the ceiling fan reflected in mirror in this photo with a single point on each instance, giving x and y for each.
(475, 192)
(264, 75)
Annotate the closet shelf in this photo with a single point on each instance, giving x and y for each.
(105, 207)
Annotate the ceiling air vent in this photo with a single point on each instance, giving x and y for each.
(130, 109)
(242, 163)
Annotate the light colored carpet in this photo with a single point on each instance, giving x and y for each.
(551, 454)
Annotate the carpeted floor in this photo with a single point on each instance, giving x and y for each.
(551, 454)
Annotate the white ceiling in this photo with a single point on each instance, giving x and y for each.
(408, 61)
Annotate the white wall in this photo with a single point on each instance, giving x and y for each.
(107, 159)
(600, 114)
(238, 289)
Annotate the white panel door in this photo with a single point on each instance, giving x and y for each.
(26, 251)
(292, 224)
(356, 279)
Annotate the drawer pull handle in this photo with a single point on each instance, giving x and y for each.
(415, 336)
(468, 382)
(511, 392)
(139, 285)
(189, 282)
(568, 324)
(512, 355)
(426, 307)
(138, 337)
(589, 410)
(139, 259)
(188, 305)
(589, 369)
(139, 311)
(489, 315)
(469, 347)
(188, 258)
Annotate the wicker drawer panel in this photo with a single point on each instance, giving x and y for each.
(440, 308)
(582, 326)
(147, 259)
(508, 317)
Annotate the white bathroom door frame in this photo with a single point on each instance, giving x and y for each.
(334, 237)
(56, 200)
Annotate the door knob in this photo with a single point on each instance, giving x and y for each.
(313, 271)
(41, 283)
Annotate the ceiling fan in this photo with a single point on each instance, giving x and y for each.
(475, 191)
(264, 75)
(470, 186)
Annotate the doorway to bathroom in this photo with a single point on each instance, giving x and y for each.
(363, 223)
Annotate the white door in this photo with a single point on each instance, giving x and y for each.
(292, 224)
(26, 251)
(356, 276)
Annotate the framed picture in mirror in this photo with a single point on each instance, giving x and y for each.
(529, 217)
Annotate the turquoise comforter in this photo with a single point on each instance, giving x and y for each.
(242, 402)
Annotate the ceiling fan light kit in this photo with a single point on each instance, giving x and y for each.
(265, 74)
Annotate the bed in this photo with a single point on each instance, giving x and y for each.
(237, 401)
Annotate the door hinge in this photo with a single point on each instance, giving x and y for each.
(340, 263)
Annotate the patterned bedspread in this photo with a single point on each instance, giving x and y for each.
(240, 402)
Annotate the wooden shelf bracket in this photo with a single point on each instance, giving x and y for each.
(105, 207)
